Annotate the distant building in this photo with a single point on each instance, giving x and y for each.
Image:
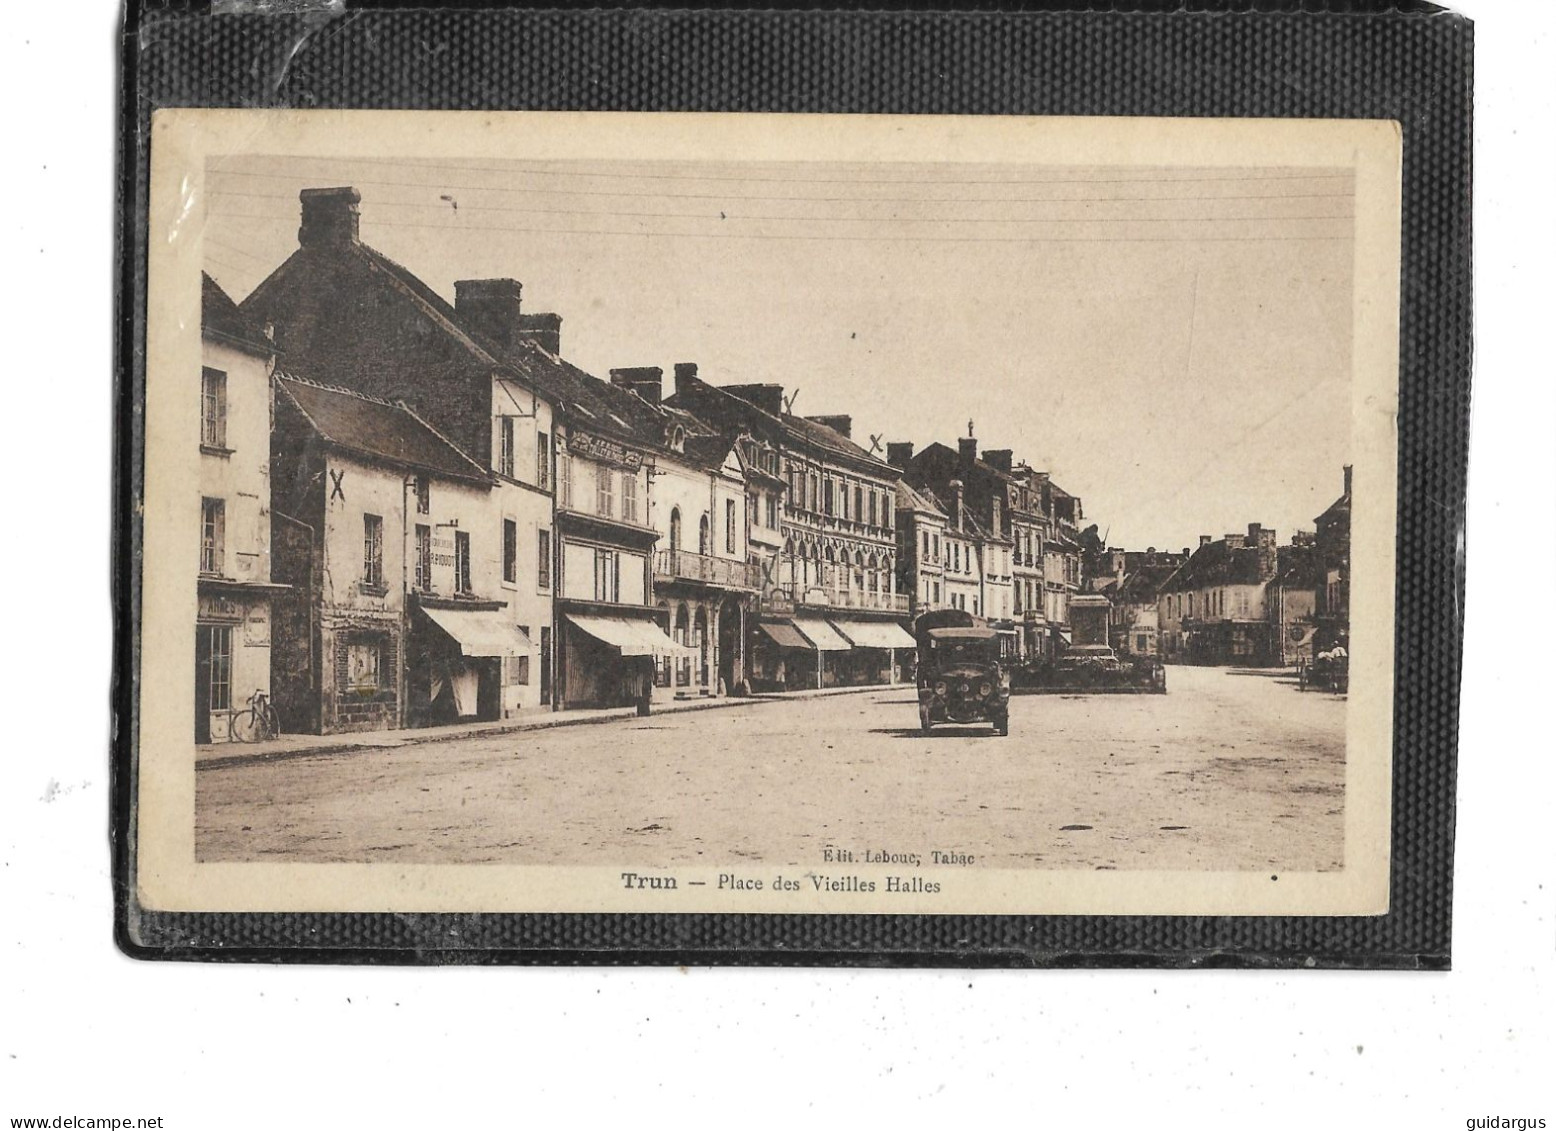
(1333, 541)
(235, 589)
(1135, 581)
(921, 542)
(1212, 610)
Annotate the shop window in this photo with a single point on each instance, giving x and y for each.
(213, 534)
(364, 661)
(221, 666)
(461, 562)
(373, 551)
(510, 551)
(213, 408)
(423, 558)
(543, 559)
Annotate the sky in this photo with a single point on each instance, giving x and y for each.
(1174, 346)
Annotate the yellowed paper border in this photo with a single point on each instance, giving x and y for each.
(167, 875)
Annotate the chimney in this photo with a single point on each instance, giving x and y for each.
(768, 398)
(1269, 555)
(900, 454)
(685, 374)
(967, 448)
(490, 307)
(1000, 458)
(1347, 480)
(545, 330)
(647, 381)
(1204, 540)
(842, 425)
(1236, 541)
(330, 217)
(1186, 554)
(956, 504)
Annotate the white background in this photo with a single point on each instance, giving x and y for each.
(86, 1031)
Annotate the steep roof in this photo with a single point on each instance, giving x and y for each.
(1299, 567)
(909, 499)
(1216, 563)
(221, 319)
(1340, 508)
(378, 430)
(1141, 585)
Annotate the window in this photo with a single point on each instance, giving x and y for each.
(461, 562)
(926, 545)
(423, 495)
(505, 445)
(564, 475)
(937, 549)
(510, 551)
(213, 534)
(518, 666)
(373, 551)
(543, 559)
(423, 558)
(826, 496)
(704, 537)
(604, 491)
(542, 461)
(213, 408)
(874, 503)
(729, 526)
(221, 666)
(607, 575)
(629, 497)
(888, 516)
(772, 512)
(364, 660)
(859, 504)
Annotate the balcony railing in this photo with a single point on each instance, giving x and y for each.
(817, 596)
(683, 565)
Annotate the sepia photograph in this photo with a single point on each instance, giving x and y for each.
(768, 514)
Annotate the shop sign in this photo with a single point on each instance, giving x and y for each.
(605, 451)
(215, 607)
(256, 626)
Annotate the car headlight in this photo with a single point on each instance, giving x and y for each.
(984, 688)
(940, 689)
(963, 687)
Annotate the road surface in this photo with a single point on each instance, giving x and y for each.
(1229, 771)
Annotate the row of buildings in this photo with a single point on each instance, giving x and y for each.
(415, 511)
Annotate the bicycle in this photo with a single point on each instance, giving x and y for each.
(258, 723)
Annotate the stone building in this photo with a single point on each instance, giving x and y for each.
(1212, 610)
(235, 589)
(1333, 540)
(385, 533)
(921, 543)
(830, 611)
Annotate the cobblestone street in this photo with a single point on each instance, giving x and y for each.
(1230, 770)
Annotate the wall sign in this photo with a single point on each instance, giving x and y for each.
(606, 451)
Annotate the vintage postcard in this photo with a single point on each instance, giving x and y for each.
(571, 512)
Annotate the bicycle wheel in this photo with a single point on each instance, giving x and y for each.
(247, 726)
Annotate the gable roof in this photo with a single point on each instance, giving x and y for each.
(221, 319)
(1216, 563)
(378, 430)
(921, 501)
(1141, 585)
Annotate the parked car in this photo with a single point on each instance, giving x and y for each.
(961, 678)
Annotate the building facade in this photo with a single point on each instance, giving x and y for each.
(1333, 540)
(235, 589)
(1213, 610)
(921, 541)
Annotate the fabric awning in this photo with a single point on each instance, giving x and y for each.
(480, 632)
(874, 634)
(785, 636)
(629, 636)
(822, 636)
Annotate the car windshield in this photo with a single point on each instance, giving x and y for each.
(948, 653)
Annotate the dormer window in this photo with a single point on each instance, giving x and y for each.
(677, 439)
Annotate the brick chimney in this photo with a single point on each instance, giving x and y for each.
(900, 453)
(1234, 541)
(647, 381)
(1269, 554)
(685, 374)
(1347, 480)
(330, 217)
(490, 307)
(1000, 458)
(545, 330)
(956, 504)
(768, 398)
(967, 448)
(1204, 540)
(842, 425)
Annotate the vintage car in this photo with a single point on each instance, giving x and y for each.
(960, 675)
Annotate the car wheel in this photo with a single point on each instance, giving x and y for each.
(1002, 725)
(923, 721)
